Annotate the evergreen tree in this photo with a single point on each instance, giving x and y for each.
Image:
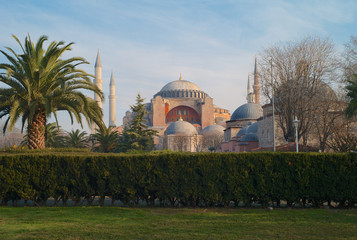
(351, 88)
(138, 136)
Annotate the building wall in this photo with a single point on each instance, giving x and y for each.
(186, 113)
(158, 111)
(184, 143)
(207, 115)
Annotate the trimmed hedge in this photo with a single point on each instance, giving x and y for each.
(200, 179)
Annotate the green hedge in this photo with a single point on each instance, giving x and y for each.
(203, 179)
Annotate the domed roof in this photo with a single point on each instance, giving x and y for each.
(250, 137)
(181, 89)
(181, 128)
(248, 111)
(242, 131)
(180, 85)
(213, 130)
(253, 128)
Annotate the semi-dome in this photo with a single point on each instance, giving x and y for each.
(247, 111)
(250, 137)
(181, 89)
(213, 130)
(242, 131)
(181, 128)
(253, 128)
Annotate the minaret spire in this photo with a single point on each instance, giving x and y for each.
(250, 95)
(256, 86)
(255, 65)
(98, 63)
(98, 82)
(249, 90)
(112, 101)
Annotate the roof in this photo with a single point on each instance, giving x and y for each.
(250, 137)
(247, 111)
(180, 85)
(242, 131)
(253, 128)
(213, 130)
(181, 128)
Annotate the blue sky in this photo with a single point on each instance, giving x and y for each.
(147, 43)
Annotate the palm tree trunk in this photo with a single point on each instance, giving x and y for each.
(36, 131)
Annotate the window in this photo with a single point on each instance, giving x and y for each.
(172, 113)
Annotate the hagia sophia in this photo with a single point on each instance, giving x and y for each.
(187, 119)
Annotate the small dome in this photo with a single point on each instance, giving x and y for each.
(181, 128)
(213, 130)
(242, 131)
(250, 137)
(247, 111)
(180, 85)
(253, 128)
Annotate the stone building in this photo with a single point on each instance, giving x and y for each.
(183, 101)
(244, 120)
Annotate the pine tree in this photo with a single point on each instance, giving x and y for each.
(138, 136)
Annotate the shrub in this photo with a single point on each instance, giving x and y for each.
(200, 179)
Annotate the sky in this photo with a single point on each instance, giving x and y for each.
(148, 43)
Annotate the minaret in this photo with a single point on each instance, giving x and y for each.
(112, 102)
(250, 95)
(256, 86)
(98, 82)
(98, 79)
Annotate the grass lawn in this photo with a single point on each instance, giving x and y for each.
(170, 223)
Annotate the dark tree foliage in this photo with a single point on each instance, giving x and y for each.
(76, 139)
(351, 88)
(138, 136)
(105, 139)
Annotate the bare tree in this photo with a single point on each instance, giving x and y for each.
(9, 139)
(350, 57)
(212, 142)
(180, 142)
(197, 142)
(344, 139)
(328, 119)
(296, 72)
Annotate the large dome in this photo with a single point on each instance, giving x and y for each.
(181, 128)
(180, 85)
(247, 111)
(181, 89)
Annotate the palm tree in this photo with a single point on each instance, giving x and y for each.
(40, 84)
(105, 139)
(53, 136)
(351, 109)
(76, 139)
